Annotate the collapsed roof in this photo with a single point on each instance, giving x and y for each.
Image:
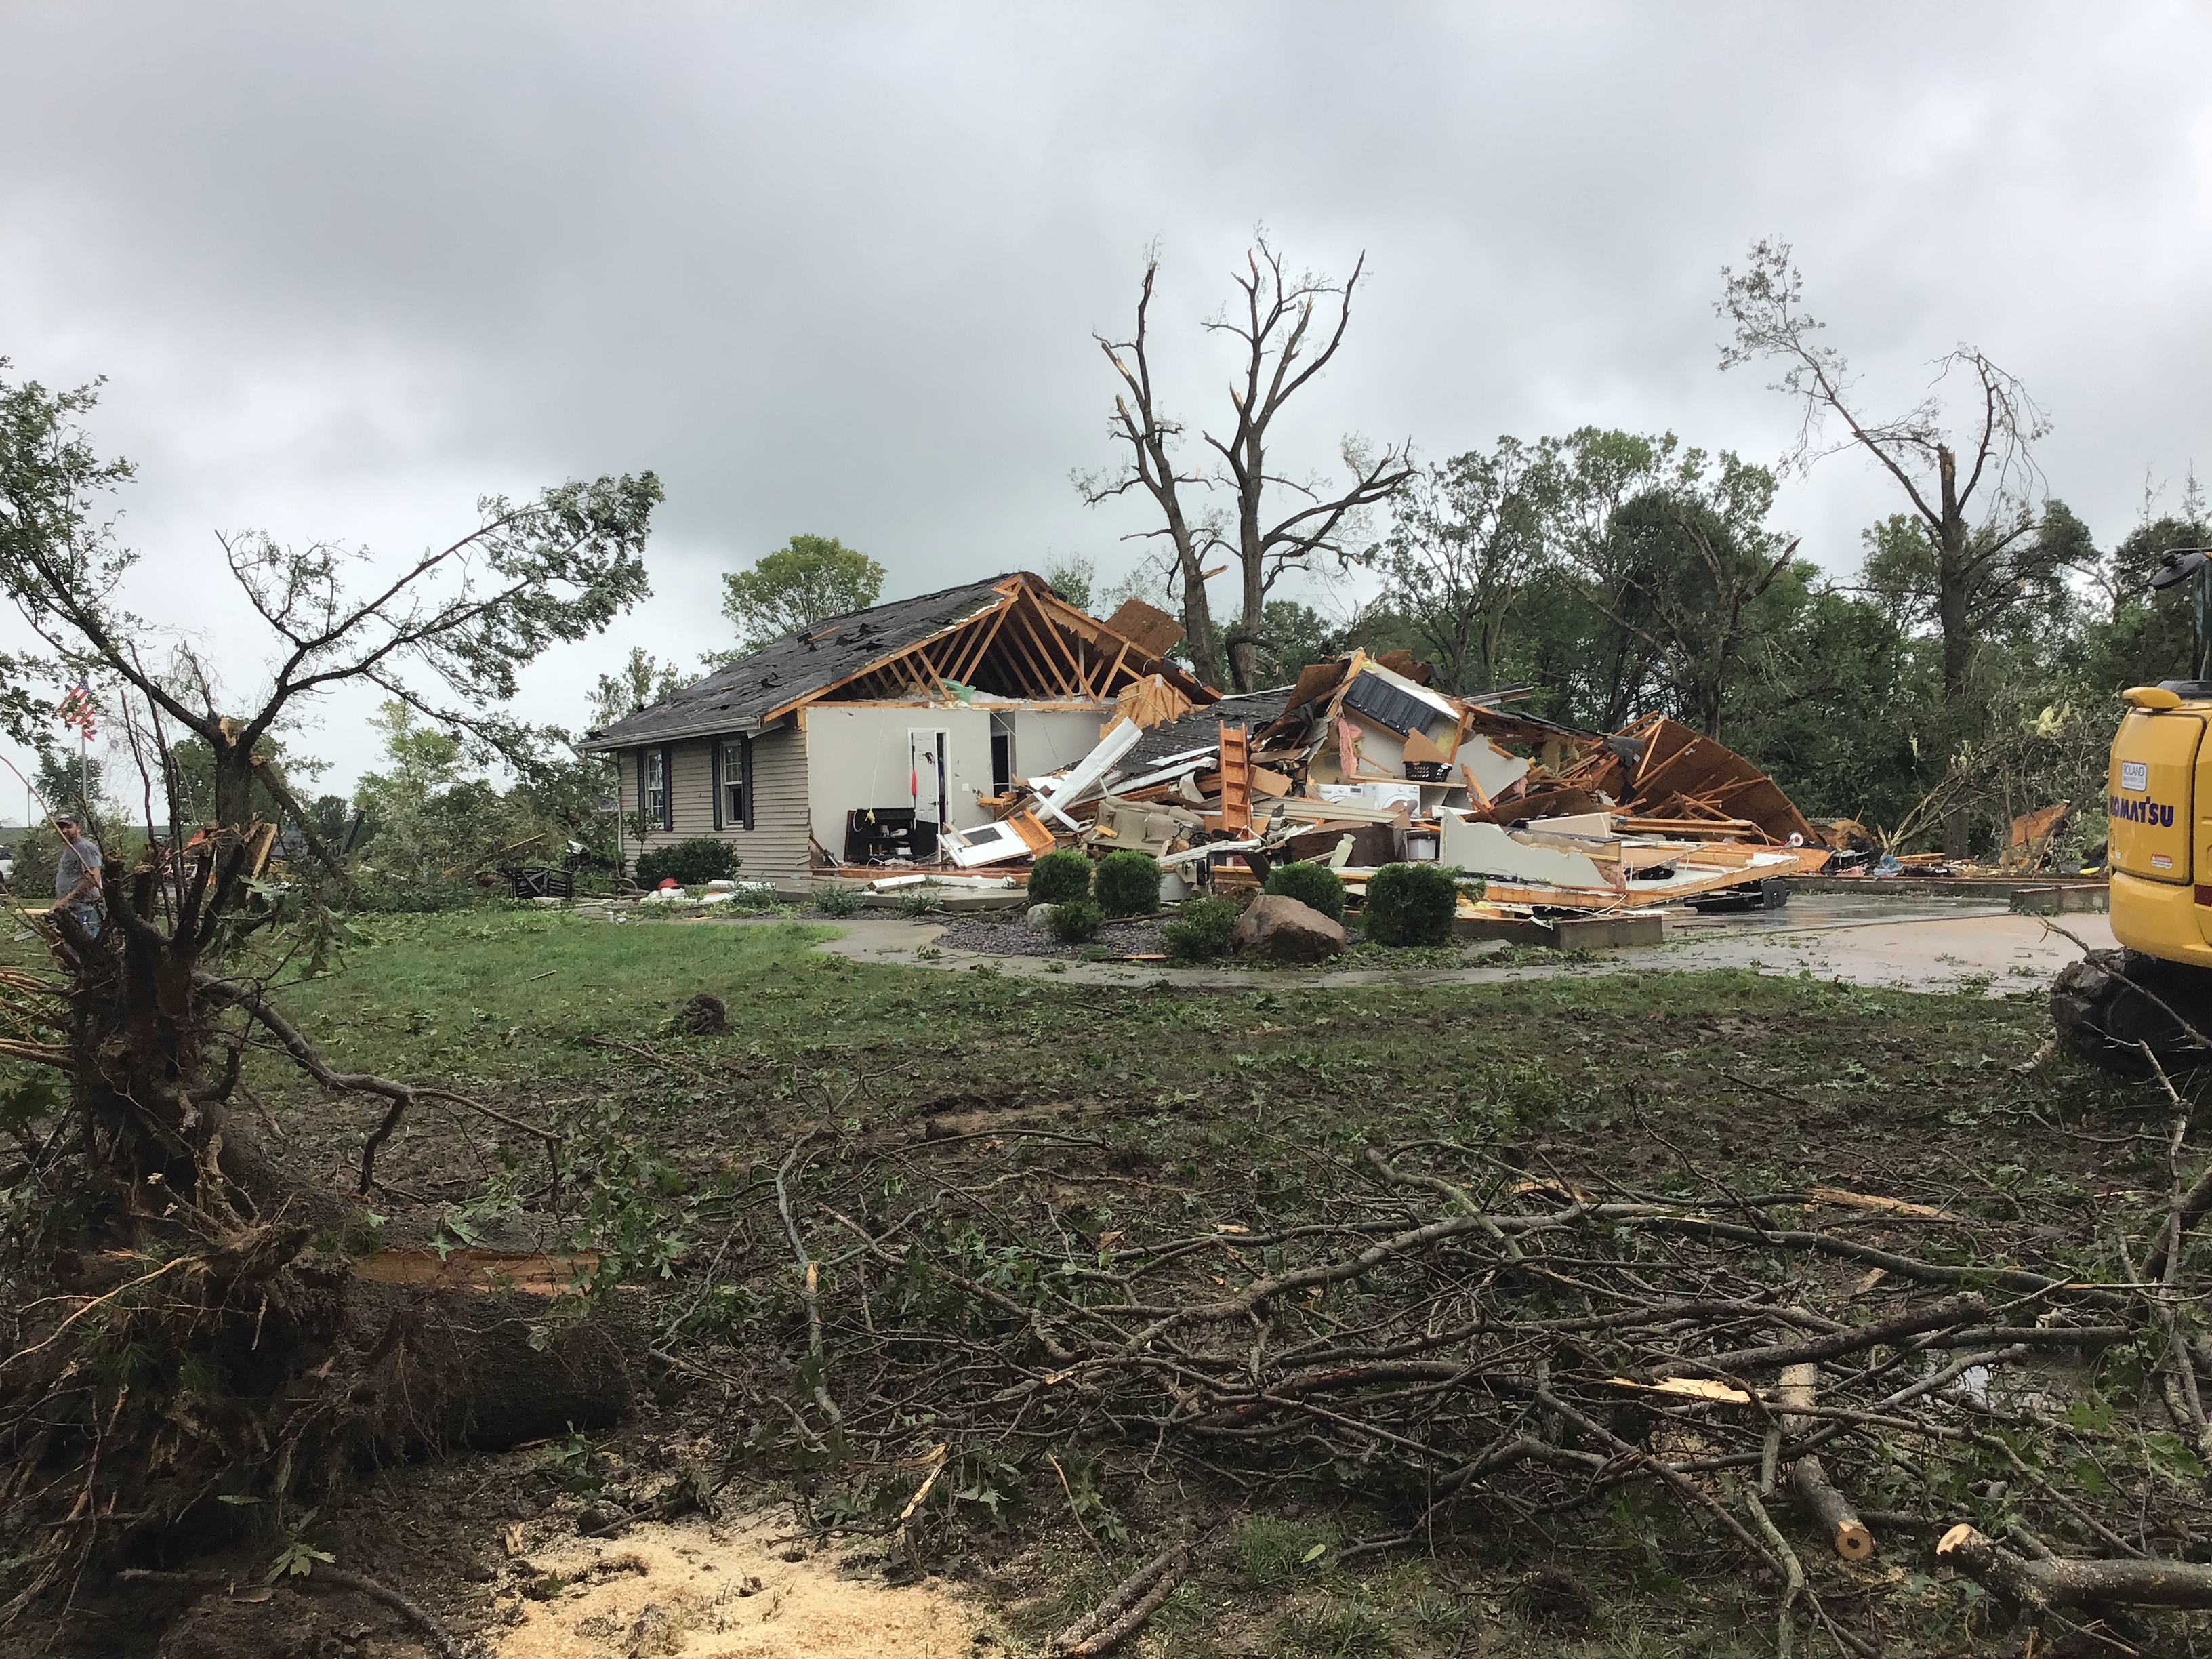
(1011, 637)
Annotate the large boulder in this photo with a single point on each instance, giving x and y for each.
(1276, 928)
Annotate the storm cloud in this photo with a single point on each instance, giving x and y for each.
(837, 268)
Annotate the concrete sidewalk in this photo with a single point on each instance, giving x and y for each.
(1916, 947)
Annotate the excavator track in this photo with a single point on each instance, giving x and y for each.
(2111, 1005)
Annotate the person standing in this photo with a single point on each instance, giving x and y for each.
(76, 875)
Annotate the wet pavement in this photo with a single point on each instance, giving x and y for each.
(1908, 942)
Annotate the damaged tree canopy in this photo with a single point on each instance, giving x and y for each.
(182, 1334)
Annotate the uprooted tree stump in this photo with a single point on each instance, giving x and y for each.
(186, 1328)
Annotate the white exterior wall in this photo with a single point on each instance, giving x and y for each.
(857, 756)
(1048, 740)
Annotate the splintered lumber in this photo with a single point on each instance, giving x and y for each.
(2041, 1584)
(1689, 880)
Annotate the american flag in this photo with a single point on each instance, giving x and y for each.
(75, 710)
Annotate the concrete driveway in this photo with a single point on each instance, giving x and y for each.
(1908, 943)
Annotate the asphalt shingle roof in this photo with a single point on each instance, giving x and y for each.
(1202, 727)
(736, 698)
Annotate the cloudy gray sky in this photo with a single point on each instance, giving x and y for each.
(836, 268)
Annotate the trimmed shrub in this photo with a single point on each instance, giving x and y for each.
(1128, 884)
(838, 901)
(1200, 929)
(1077, 920)
(692, 862)
(1060, 877)
(1313, 886)
(1410, 904)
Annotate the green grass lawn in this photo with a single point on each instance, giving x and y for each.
(1199, 1110)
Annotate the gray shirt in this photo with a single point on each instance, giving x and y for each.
(79, 857)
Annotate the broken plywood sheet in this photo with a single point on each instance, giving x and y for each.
(1484, 849)
(1490, 769)
(1152, 629)
(1688, 880)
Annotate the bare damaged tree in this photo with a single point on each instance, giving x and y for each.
(1281, 351)
(1275, 331)
(149, 1175)
(1151, 436)
(1976, 545)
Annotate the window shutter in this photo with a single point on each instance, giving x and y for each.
(715, 759)
(668, 787)
(644, 785)
(746, 760)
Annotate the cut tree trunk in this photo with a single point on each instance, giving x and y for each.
(2039, 1585)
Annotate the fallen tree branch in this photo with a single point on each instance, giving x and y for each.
(1130, 1602)
(401, 1095)
(2040, 1585)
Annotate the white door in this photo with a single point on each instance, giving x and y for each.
(929, 776)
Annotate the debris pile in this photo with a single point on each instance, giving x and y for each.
(1362, 764)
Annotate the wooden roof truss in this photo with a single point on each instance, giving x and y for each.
(1029, 645)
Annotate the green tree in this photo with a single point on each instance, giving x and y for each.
(446, 633)
(72, 783)
(1073, 578)
(1467, 538)
(1680, 573)
(1972, 491)
(189, 784)
(1291, 634)
(642, 683)
(810, 578)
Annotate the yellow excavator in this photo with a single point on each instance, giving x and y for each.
(2152, 996)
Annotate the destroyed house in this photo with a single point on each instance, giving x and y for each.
(858, 739)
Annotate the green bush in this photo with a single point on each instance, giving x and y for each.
(692, 862)
(1128, 884)
(1077, 920)
(1200, 929)
(838, 901)
(381, 896)
(1410, 904)
(1313, 886)
(918, 902)
(1060, 877)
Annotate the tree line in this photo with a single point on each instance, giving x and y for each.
(1965, 672)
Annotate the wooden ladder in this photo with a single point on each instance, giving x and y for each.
(1235, 779)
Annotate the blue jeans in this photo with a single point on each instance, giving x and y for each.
(88, 917)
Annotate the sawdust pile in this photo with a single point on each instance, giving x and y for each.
(700, 1590)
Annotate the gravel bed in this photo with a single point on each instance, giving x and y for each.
(990, 936)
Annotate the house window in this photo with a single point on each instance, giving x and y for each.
(652, 787)
(733, 784)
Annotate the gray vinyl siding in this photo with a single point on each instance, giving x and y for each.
(776, 846)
